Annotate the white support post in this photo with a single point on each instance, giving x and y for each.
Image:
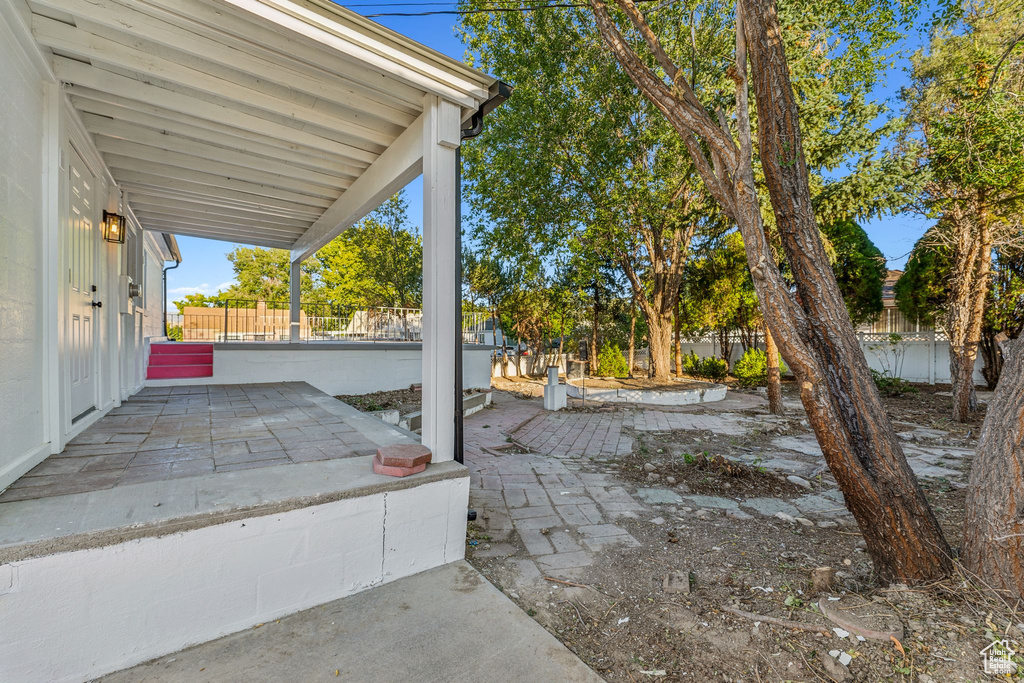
(294, 300)
(440, 141)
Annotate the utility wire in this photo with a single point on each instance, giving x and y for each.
(484, 10)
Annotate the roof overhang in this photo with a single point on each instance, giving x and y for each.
(249, 120)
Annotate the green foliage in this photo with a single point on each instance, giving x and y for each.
(610, 361)
(197, 300)
(378, 262)
(752, 368)
(893, 387)
(967, 116)
(174, 332)
(859, 267)
(718, 292)
(711, 368)
(923, 289)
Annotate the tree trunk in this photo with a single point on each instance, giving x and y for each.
(632, 335)
(994, 528)
(679, 341)
(969, 283)
(812, 328)
(771, 351)
(993, 366)
(659, 338)
(593, 331)
(724, 345)
(842, 402)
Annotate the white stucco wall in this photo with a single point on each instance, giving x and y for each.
(334, 367)
(152, 323)
(22, 407)
(73, 616)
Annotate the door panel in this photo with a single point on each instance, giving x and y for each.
(81, 260)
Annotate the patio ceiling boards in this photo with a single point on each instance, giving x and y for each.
(250, 120)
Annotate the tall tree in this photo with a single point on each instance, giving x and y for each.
(923, 291)
(966, 102)
(813, 328)
(377, 262)
(604, 170)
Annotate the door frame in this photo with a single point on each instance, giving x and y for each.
(98, 316)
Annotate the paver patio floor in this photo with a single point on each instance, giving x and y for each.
(172, 432)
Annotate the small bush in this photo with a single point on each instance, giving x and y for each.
(752, 369)
(174, 333)
(711, 368)
(610, 362)
(691, 363)
(892, 386)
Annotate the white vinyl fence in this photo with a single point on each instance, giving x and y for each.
(921, 357)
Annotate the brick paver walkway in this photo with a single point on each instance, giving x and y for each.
(560, 514)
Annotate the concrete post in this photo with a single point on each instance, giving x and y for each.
(440, 286)
(294, 300)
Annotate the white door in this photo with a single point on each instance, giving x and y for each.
(82, 308)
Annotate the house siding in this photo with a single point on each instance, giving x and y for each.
(22, 401)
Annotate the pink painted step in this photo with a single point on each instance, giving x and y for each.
(180, 347)
(175, 360)
(181, 359)
(178, 371)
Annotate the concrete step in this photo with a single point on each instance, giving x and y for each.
(180, 347)
(178, 371)
(180, 359)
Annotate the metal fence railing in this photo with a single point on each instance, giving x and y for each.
(242, 320)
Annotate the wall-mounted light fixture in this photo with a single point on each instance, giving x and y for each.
(113, 227)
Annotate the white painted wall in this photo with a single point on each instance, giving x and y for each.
(334, 367)
(77, 615)
(22, 400)
(924, 361)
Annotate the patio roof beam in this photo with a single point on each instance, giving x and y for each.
(217, 233)
(392, 171)
(352, 129)
(276, 231)
(205, 196)
(120, 109)
(190, 37)
(74, 72)
(119, 130)
(124, 163)
(144, 209)
(114, 148)
(144, 201)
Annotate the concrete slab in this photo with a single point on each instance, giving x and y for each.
(445, 624)
(42, 526)
(659, 496)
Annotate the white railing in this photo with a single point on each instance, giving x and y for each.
(254, 321)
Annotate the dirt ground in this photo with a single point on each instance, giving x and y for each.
(745, 574)
(404, 400)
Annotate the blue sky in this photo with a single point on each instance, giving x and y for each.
(206, 269)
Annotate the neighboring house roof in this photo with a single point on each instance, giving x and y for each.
(889, 287)
(246, 120)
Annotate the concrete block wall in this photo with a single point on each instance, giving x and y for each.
(335, 367)
(73, 616)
